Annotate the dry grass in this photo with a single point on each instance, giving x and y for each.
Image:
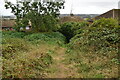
(27, 64)
(91, 65)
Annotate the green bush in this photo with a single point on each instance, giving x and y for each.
(70, 29)
(23, 60)
(12, 45)
(13, 34)
(26, 65)
(98, 37)
(105, 22)
(54, 37)
(95, 49)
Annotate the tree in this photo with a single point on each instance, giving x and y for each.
(42, 14)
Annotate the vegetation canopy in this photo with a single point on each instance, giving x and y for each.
(42, 14)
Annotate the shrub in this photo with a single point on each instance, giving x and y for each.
(70, 29)
(95, 50)
(23, 60)
(54, 37)
(26, 65)
(98, 37)
(105, 22)
(12, 45)
(13, 34)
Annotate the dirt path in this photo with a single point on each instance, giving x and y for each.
(59, 69)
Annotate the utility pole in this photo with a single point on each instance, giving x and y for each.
(17, 2)
(71, 12)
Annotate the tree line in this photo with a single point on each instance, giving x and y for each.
(42, 14)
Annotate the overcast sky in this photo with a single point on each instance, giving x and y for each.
(77, 6)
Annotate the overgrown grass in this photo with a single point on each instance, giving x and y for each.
(13, 34)
(89, 64)
(51, 38)
(27, 64)
(22, 58)
(93, 50)
(12, 45)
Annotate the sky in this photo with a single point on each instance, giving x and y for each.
(77, 6)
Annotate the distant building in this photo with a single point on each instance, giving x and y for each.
(70, 19)
(83, 16)
(8, 24)
(119, 5)
(9, 17)
(114, 13)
